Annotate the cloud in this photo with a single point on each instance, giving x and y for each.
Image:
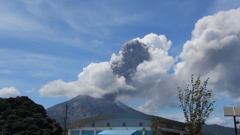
(31, 91)
(223, 5)
(51, 21)
(21, 23)
(38, 20)
(213, 51)
(154, 41)
(138, 57)
(132, 54)
(36, 65)
(151, 77)
(9, 92)
(216, 120)
(96, 80)
(6, 71)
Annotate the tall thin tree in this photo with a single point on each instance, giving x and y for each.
(196, 104)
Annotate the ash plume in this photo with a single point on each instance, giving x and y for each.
(132, 54)
(143, 67)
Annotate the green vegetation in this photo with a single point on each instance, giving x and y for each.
(196, 105)
(21, 116)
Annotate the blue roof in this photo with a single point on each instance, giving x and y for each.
(119, 132)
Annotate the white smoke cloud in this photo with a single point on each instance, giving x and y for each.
(150, 78)
(212, 52)
(9, 92)
(96, 80)
(154, 41)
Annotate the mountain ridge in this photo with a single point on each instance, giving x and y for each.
(84, 106)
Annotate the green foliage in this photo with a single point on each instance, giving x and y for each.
(196, 105)
(21, 115)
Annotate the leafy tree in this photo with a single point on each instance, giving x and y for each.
(21, 116)
(196, 105)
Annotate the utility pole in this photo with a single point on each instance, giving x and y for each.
(235, 124)
(65, 120)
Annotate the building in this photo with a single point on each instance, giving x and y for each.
(124, 124)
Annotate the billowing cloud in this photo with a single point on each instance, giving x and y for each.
(9, 92)
(96, 80)
(140, 67)
(213, 52)
(151, 74)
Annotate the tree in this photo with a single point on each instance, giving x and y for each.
(196, 105)
(21, 115)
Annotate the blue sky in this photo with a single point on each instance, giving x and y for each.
(44, 46)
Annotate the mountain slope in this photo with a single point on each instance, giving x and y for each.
(82, 107)
(218, 130)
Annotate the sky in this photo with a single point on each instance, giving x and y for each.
(52, 51)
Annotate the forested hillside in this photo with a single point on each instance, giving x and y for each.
(21, 115)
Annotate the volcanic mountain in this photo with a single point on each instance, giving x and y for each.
(84, 106)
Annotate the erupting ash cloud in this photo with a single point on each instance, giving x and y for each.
(141, 68)
(132, 54)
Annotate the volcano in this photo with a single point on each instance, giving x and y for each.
(84, 106)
